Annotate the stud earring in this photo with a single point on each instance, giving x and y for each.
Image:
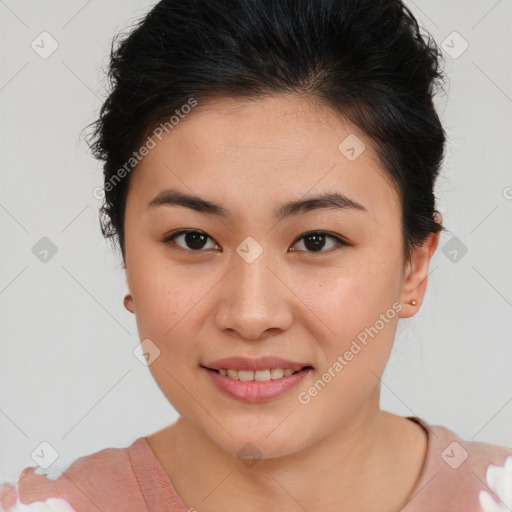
(413, 303)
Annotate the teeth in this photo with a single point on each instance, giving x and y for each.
(259, 375)
(262, 375)
(246, 375)
(276, 373)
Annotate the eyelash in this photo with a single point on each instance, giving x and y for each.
(340, 242)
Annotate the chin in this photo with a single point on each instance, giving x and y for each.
(253, 443)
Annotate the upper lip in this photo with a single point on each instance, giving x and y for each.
(260, 363)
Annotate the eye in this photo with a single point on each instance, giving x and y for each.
(193, 239)
(316, 241)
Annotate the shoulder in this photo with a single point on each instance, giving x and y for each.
(461, 474)
(103, 480)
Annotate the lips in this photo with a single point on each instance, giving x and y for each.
(261, 363)
(256, 391)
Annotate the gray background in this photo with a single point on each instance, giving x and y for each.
(68, 373)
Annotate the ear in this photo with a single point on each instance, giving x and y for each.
(416, 276)
(128, 303)
(128, 299)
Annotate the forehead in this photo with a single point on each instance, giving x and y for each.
(263, 150)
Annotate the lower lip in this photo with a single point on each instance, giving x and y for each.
(256, 391)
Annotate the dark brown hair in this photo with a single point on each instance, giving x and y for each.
(366, 59)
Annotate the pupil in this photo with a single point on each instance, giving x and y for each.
(195, 238)
(318, 237)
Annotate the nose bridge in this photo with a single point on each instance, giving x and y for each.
(256, 296)
(254, 278)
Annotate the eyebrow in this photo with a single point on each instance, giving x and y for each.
(333, 200)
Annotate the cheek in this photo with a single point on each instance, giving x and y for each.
(349, 296)
(357, 308)
(169, 302)
(165, 294)
(165, 315)
(356, 337)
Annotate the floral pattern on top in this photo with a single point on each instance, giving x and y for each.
(499, 479)
(50, 505)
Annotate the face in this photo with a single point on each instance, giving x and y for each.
(309, 286)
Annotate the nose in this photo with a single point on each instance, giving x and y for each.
(255, 301)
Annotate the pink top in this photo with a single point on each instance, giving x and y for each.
(465, 476)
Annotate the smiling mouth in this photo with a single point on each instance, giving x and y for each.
(258, 375)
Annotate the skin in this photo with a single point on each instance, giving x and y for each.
(304, 305)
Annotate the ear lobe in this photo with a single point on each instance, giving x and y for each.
(128, 303)
(416, 276)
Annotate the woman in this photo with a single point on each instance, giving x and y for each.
(269, 175)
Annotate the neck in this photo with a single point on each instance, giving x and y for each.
(351, 468)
